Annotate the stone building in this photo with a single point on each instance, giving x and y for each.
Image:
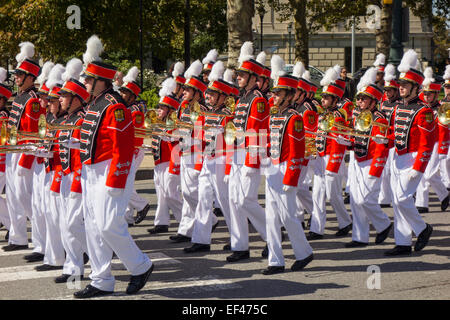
(327, 48)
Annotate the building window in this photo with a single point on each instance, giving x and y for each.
(358, 58)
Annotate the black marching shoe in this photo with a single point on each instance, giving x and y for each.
(178, 238)
(159, 229)
(385, 205)
(422, 209)
(265, 252)
(138, 282)
(140, 216)
(238, 255)
(422, 239)
(218, 212)
(444, 203)
(398, 250)
(346, 198)
(197, 247)
(7, 236)
(214, 226)
(227, 247)
(90, 292)
(383, 234)
(47, 267)
(344, 231)
(85, 258)
(64, 277)
(273, 270)
(300, 264)
(355, 244)
(34, 257)
(14, 247)
(314, 236)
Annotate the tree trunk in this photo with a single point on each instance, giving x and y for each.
(301, 31)
(239, 20)
(383, 36)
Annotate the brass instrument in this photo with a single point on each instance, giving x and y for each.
(328, 122)
(444, 113)
(364, 121)
(12, 137)
(195, 110)
(231, 133)
(44, 127)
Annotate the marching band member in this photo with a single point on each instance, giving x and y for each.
(208, 63)
(445, 163)
(54, 250)
(431, 176)
(129, 92)
(73, 97)
(211, 179)
(370, 158)
(106, 180)
(251, 114)
(380, 65)
(328, 169)
(24, 115)
(167, 181)
(177, 74)
(264, 77)
(387, 107)
(190, 146)
(287, 149)
(413, 134)
(5, 94)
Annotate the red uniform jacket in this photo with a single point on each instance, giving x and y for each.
(442, 132)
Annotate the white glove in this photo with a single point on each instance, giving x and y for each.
(31, 151)
(72, 143)
(371, 177)
(288, 189)
(249, 171)
(74, 195)
(330, 173)
(54, 194)
(380, 139)
(442, 156)
(167, 139)
(21, 171)
(343, 141)
(226, 178)
(43, 154)
(413, 174)
(114, 192)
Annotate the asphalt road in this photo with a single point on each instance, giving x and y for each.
(336, 272)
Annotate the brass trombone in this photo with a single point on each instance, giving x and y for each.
(444, 113)
(231, 133)
(44, 127)
(195, 110)
(364, 121)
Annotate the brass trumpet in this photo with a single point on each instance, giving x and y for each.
(444, 113)
(195, 110)
(364, 121)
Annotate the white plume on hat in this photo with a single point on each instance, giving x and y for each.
(447, 72)
(44, 72)
(369, 77)
(2, 75)
(380, 60)
(178, 69)
(167, 87)
(409, 61)
(246, 52)
(428, 73)
(337, 68)
(299, 69)
(55, 76)
(211, 57)
(277, 65)
(194, 70)
(306, 75)
(94, 49)
(228, 76)
(26, 51)
(261, 58)
(330, 76)
(389, 72)
(131, 75)
(216, 71)
(73, 69)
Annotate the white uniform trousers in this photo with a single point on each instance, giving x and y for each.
(385, 196)
(364, 193)
(18, 199)
(4, 215)
(168, 194)
(431, 177)
(136, 201)
(444, 165)
(303, 195)
(189, 191)
(243, 200)
(211, 188)
(406, 217)
(54, 250)
(329, 188)
(348, 170)
(39, 230)
(106, 228)
(280, 211)
(73, 233)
